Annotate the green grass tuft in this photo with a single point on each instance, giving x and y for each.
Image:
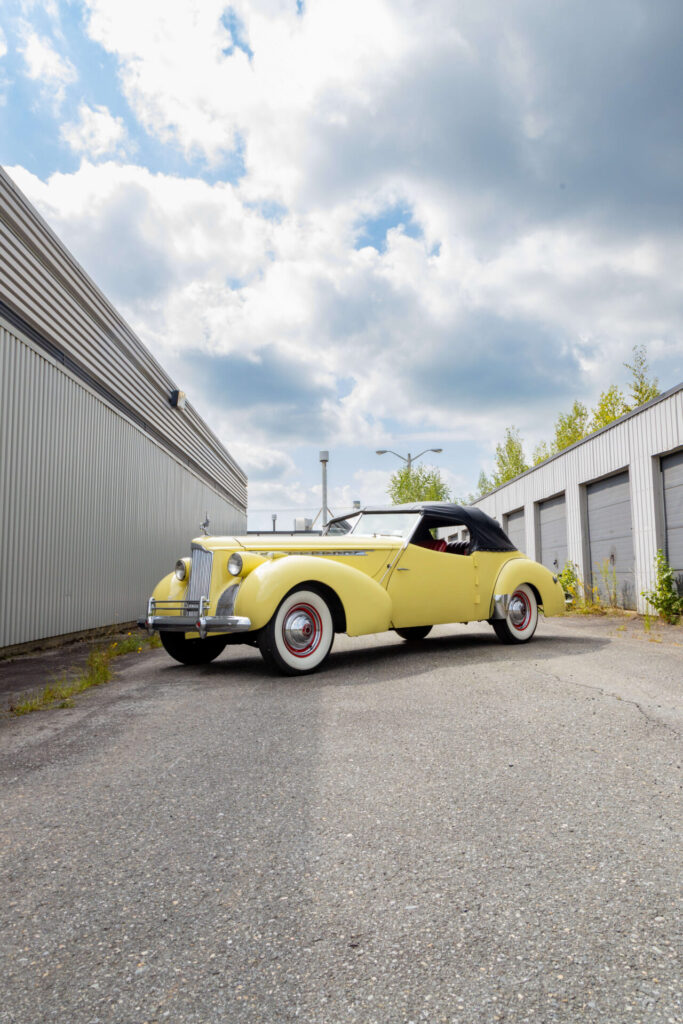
(97, 672)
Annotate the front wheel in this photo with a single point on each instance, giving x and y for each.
(519, 625)
(299, 636)
(413, 634)
(192, 652)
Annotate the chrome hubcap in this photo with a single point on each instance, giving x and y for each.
(299, 630)
(517, 610)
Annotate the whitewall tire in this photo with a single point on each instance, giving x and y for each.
(299, 636)
(519, 625)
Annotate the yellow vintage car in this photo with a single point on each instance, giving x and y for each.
(406, 568)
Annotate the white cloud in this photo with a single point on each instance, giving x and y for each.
(96, 132)
(3, 44)
(45, 65)
(545, 209)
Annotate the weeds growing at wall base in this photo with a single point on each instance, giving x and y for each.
(97, 671)
(665, 598)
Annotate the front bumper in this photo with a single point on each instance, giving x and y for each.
(190, 617)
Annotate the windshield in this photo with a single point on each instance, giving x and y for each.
(385, 524)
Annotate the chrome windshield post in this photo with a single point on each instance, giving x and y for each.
(400, 551)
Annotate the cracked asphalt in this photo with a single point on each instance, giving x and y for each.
(461, 832)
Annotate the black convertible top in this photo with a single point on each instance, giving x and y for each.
(485, 533)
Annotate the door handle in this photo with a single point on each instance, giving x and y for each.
(403, 570)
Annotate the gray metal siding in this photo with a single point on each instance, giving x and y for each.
(552, 521)
(610, 536)
(41, 282)
(515, 529)
(637, 441)
(92, 511)
(672, 481)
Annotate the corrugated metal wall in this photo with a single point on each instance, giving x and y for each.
(92, 511)
(634, 443)
(42, 282)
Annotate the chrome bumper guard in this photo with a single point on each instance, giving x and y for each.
(190, 617)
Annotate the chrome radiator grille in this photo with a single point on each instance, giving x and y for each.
(200, 574)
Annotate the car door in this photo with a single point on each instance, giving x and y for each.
(427, 587)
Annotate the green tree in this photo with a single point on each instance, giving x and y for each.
(417, 483)
(642, 388)
(484, 485)
(510, 461)
(571, 426)
(611, 405)
(541, 452)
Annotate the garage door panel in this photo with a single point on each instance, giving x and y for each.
(674, 549)
(516, 529)
(605, 493)
(552, 518)
(611, 539)
(672, 483)
(608, 523)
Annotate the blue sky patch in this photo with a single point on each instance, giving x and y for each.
(373, 230)
(43, 152)
(234, 25)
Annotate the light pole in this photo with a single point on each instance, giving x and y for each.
(324, 459)
(408, 459)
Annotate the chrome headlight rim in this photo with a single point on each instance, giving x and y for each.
(235, 564)
(180, 570)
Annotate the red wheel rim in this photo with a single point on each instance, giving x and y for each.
(302, 630)
(524, 614)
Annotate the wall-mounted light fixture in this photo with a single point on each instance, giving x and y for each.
(178, 399)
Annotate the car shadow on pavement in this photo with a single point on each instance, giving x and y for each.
(454, 652)
(390, 658)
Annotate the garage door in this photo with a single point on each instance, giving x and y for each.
(672, 480)
(610, 538)
(516, 530)
(552, 521)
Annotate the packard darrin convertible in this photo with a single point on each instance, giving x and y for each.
(404, 568)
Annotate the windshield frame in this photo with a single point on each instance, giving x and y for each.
(357, 527)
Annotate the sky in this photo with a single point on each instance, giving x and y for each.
(361, 224)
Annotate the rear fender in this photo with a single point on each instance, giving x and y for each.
(524, 570)
(366, 604)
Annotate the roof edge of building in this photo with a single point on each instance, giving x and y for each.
(589, 437)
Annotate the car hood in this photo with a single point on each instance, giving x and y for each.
(300, 545)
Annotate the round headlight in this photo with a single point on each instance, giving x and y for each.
(235, 564)
(180, 569)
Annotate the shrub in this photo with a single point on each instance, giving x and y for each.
(665, 597)
(569, 580)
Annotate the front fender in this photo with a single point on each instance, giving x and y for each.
(170, 588)
(524, 570)
(366, 604)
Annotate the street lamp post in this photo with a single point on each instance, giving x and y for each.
(324, 458)
(408, 459)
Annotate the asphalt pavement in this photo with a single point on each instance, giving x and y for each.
(460, 832)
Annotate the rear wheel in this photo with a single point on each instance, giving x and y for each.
(413, 634)
(519, 625)
(299, 636)
(192, 652)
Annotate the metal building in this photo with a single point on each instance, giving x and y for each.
(102, 481)
(607, 503)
